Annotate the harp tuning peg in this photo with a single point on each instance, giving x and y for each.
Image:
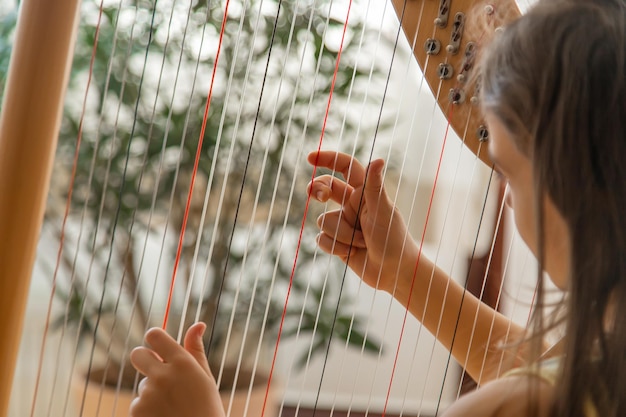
(432, 46)
(445, 71)
(482, 133)
(457, 95)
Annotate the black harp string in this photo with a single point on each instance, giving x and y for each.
(466, 281)
(273, 200)
(74, 262)
(136, 301)
(118, 209)
(242, 187)
(84, 209)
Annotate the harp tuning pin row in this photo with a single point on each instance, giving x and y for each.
(444, 11)
(432, 46)
(445, 71)
(456, 34)
(489, 9)
(482, 133)
(457, 95)
(474, 100)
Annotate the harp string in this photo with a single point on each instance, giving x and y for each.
(185, 129)
(72, 264)
(442, 386)
(111, 248)
(267, 226)
(345, 267)
(353, 315)
(79, 239)
(135, 296)
(423, 235)
(237, 211)
(413, 202)
(63, 229)
(284, 225)
(499, 224)
(344, 273)
(457, 246)
(126, 251)
(257, 276)
(230, 327)
(455, 255)
(426, 222)
(406, 313)
(167, 222)
(304, 217)
(97, 228)
(203, 217)
(491, 253)
(484, 282)
(195, 167)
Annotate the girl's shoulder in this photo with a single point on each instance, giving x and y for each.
(508, 396)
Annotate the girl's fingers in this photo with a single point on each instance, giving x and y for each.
(334, 225)
(348, 166)
(163, 344)
(327, 187)
(145, 361)
(333, 247)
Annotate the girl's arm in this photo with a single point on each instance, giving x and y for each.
(377, 247)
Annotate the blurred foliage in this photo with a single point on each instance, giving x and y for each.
(148, 79)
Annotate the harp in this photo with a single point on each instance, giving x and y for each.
(31, 115)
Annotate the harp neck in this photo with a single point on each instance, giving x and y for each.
(446, 49)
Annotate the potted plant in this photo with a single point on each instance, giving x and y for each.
(139, 131)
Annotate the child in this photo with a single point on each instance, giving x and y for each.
(554, 98)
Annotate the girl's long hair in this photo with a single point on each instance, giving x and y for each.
(556, 78)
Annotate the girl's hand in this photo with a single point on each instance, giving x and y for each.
(178, 379)
(367, 231)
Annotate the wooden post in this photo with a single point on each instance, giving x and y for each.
(29, 126)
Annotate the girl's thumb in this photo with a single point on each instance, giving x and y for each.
(195, 346)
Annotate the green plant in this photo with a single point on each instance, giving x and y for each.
(140, 128)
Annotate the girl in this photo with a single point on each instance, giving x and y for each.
(554, 99)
